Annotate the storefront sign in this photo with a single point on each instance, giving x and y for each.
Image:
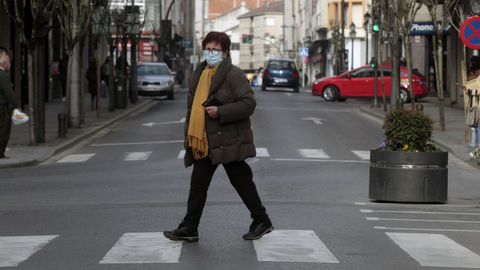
(422, 29)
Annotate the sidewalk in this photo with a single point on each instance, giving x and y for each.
(452, 139)
(21, 153)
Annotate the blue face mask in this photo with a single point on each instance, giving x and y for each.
(213, 60)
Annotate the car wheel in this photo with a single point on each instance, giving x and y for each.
(264, 87)
(330, 93)
(404, 96)
(296, 89)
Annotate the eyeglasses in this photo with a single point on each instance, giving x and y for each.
(213, 52)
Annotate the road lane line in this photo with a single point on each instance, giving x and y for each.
(319, 160)
(363, 155)
(436, 250)
(16, 249)
(423, 220)
(421, 205)
(75, 158)
(313, 153)
(181, 154)
(292, 246)
(135, 143)
(418, 212)
(262, 152)
(148, 247)
(135, 156)
(423, 229)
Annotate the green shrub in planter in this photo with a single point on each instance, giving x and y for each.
(408, 167)
(408, 131)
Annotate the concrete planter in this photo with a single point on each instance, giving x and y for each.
(408, 176)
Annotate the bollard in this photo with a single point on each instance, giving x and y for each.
(473, 137)
(62, 125)
(478, 137)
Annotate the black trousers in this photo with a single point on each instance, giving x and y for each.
(240, 175)
(5, 126)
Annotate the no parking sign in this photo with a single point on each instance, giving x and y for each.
(470, 32)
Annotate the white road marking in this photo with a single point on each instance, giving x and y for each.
(151, 124)
(422, 220)
(262, 152)
(181, 154)
(319, 160)
(135, 143)
(361, 203)
(313, 153)
(422, 205)
(363, 155)
(316, 120)
(301, 109)
(293, 246)
(134, 156)
(436, 250)
(288, 94)
(308, 91)
(148, 247)
(76, 158)
(424, 229)
(16, 249)
(418, 212)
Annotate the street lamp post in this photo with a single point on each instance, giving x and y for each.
(366, 19)
(353, 34)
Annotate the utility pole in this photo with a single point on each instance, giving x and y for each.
(160, 29)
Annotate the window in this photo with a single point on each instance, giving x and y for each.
(277, 65)
(153, 70)
(269, 21)
(362, 73)
(235, 46)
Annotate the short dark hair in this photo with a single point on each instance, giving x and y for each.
(474, 63)
(218, 37)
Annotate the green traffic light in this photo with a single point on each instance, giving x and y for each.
(375, 27)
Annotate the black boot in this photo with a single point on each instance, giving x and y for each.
(258, 229)
(182, 233)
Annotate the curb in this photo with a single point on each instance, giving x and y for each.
(138, 108)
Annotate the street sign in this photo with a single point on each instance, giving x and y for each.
(470, 32)
(303, 52)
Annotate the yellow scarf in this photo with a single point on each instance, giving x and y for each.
(197, 136)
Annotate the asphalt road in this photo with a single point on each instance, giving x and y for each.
(105, 205)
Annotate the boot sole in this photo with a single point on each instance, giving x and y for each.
(176, 238)
(269, 230)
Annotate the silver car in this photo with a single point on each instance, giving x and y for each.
(155, 79)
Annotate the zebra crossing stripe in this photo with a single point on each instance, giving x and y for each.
(293, 246)
(16, 249)
(133, 156)
(148, 247)
(313, 153)
(262, 152)
(363, 155)
(436, 250)
(76, 158)
(181, 154)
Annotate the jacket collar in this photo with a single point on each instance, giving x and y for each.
(218, 78)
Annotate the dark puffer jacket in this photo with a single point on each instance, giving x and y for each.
(230, 137)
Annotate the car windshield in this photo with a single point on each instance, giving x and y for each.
(152, 70)
(281, 65)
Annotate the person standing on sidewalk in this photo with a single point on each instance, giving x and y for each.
(8, 102)
(218, 131)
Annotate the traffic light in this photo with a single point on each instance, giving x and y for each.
(373, 62)
(474, 7)
(376, 25)
(244, 38)
(250, 39)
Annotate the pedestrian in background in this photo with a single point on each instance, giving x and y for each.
(218, 131)
(92, 82)
(8, 102)
(473, 68)
(63, 69)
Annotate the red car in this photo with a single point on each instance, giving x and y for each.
(360, 83)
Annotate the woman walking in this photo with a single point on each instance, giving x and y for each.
(218, 131)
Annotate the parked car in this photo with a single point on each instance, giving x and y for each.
(360, 83)
(280, 72)
(155, 79)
